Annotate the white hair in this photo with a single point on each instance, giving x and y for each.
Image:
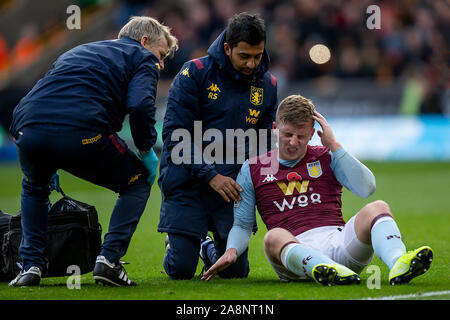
(141, 26)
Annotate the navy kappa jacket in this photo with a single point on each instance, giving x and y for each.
(211, 93)
(93, 86)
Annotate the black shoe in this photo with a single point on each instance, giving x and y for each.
(29, 278)
(110, 273)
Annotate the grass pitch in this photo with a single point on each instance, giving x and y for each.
(418, 194)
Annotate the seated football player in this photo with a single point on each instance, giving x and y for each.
(300, 203)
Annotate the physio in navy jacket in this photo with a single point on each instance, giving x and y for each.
(69, 121)
(229, 89)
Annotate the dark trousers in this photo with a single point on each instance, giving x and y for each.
(181, 259)
(104, 160)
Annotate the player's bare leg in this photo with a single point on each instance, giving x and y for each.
(274, 242)
(367, 217)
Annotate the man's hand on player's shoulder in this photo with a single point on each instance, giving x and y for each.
(226, 187)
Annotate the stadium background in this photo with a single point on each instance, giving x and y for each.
(398, 75)
(385, 92)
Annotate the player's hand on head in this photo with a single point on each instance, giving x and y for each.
(326, 134)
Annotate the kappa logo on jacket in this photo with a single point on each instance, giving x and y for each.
(213, 87)
(213, 91)
(185, 72)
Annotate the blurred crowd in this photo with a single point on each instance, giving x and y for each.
(33, 38)
(414, 33)
(411, 45)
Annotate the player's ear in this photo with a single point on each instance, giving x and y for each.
(275, 129)
(227, 49)
(312, 133)
(144, 40)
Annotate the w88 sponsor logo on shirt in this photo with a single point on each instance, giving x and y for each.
(296, 184)
(301, 201)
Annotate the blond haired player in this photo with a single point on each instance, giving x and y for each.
(300, 203)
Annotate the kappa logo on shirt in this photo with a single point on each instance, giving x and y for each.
(269, 178)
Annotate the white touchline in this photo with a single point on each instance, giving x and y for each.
(412, 295)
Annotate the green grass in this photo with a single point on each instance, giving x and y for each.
(418, 194)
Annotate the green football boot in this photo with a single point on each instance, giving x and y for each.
(410, 265)
(329, 274)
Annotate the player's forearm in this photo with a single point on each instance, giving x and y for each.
(352, 174)
(239, 238)
(244, 213)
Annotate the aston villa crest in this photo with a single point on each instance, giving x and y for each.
(256, 95)
(314, 169)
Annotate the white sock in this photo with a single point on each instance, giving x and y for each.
(386, 240)
(301, 259)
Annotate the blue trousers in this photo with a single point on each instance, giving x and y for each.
(102, 159)
(181, 259)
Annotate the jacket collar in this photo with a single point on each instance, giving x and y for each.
(128, 39)
(135, 42)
